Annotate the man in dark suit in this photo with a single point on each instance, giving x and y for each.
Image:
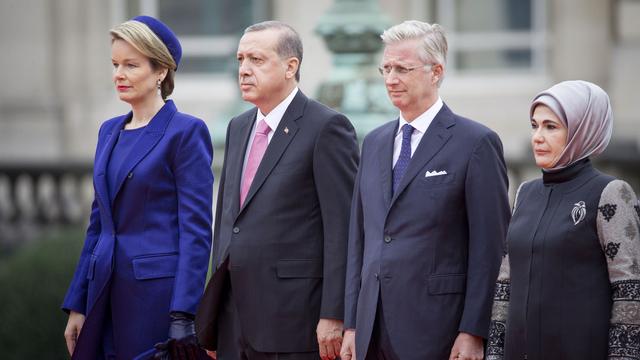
(428, 218)
(282, 216)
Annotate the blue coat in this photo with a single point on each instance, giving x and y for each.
(147, 246)
(431, 251)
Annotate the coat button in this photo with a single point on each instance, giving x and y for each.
(130, 175)
(236, 230)
(387, 239)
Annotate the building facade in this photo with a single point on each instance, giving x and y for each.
(58, 89)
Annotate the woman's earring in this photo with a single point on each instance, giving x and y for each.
(159, 83)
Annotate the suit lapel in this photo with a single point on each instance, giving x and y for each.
(385, 159)
(147, 140)
(431, 143)
(236, 160)
(278, 144)
(102, 159)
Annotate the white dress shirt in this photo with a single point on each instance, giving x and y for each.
(420, 125)
(272, 119)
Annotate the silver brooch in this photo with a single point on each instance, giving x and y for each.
(579, 212)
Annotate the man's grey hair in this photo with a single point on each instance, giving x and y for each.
(289, 43)
(434, 40)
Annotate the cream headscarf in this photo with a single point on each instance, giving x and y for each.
(585, 110)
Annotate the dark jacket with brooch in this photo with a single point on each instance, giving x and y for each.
(573, 247)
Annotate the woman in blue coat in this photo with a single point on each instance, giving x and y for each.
(142, 270)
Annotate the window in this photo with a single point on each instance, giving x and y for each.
(494, 35)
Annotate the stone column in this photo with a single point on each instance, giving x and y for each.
(351, 30)
(581, 41)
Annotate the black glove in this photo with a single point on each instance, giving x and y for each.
(181, 325)
(182, 343)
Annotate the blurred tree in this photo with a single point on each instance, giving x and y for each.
(33, 281)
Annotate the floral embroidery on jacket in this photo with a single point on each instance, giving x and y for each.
(608, 211)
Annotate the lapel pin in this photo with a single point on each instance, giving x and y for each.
(286, 130)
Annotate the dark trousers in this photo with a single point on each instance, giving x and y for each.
(232, 344)
(380, 347)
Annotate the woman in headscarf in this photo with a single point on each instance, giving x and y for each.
(569, 287)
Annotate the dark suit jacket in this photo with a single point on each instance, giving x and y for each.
(147, 246)
(287, 245)
(432, 250)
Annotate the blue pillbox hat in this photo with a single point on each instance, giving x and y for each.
(165, 34)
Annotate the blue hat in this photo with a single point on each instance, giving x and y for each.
(165, 34)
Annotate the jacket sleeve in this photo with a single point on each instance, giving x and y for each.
(354, 256)
(335, 162)
(76, 297)
(217, 256)
(194, 186)
(618, 224)
(498, 327)
(487, 207)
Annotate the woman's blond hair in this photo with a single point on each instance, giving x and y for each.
(149, 44)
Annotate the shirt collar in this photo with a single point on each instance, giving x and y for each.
(273, 118)
(422, 122)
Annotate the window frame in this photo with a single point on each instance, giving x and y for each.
(534, 40)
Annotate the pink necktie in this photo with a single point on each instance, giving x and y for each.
(258, 147)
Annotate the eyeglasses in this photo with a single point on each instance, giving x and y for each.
(399, 70)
